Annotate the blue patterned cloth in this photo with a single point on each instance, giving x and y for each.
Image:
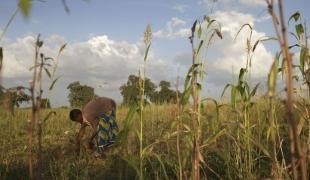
(106, 131)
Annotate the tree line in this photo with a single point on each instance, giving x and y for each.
(80, 94)
(130, 91)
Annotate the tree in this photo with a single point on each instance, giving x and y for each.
(79, 94)
(165, 94)
(130, 90)
(45, 103)
(13, 97)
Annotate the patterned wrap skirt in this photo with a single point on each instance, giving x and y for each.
(106, 131)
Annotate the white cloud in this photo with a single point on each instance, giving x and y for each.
(254, 2)
(180, 8)
(233, 53)
(93, 62)
(230, 3)
(232, 20)
(174, 28)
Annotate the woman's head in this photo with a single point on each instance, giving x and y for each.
(76, 115)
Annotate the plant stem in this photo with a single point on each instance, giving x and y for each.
(292, 125)
(33, 112)
(178, 131)
(196, 148)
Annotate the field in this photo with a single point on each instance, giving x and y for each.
(223, 148)
(253, 131)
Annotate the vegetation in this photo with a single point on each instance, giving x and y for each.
(130, 91)
(179, 135)
(79, 94)
(13, 97)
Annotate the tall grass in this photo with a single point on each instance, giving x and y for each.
(147, 43)
(246, 137)
(295, 146)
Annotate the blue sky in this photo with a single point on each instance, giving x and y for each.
(97, 30)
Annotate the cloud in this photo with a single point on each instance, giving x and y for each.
(183, 59)
(253, 2)
(180, 8)
(233, 52)
(175, 28)
(232, 3)
(100, 62)
(226, 56)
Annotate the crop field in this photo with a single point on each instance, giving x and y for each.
(254, 130)
(222, 148)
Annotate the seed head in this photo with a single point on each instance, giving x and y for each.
(148, 35)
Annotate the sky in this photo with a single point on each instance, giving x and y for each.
(105, 41)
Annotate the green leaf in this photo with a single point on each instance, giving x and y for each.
(296, 17)
(147, 52)
(207, 18)
(227, 85)
(65, 5)
(247, 88)
(260, 146)
(48, 116)
(200, 45)
(242, 73)
(242, 91)
(131, 162)
(210, 38)
(185, 96)
(48, 58)
(39, 43)
(1, 58)
(47, 72)
(199, 31)
(4, 30)
(254, 90)
(272, 77)
(32, 67)
(299, 30)
(233, 95)
(188, 76)
(194, 27)
(242, 28)
(262, 40)
(295, 45)
(53, 83)
(268, 39)
(127, 125)
(25, 7)
(302, 57)
(218, 33)
(254, 47)
(62, 48)
(198, 85)
(210, 23)
(213, 138)
(161, 164)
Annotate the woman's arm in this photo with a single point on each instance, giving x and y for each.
(79, 138)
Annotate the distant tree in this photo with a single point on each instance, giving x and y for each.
(13, 97)
(45, 103)
(130, 90)
(2, 89)
(165, 94)
(79, 94)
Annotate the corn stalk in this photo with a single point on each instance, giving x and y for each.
(296, 150)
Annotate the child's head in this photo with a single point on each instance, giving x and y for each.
(76, 115)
